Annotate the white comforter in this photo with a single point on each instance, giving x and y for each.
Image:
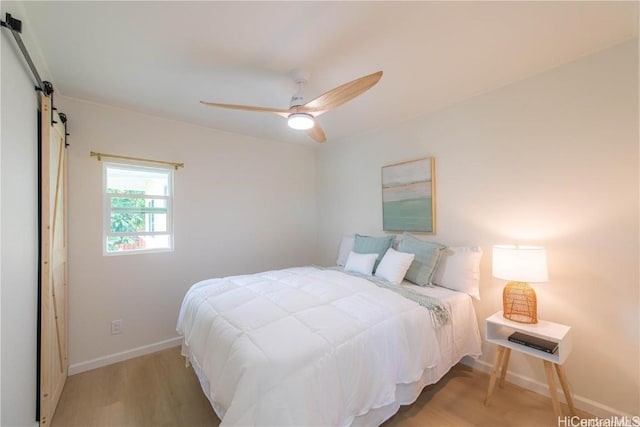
(302, 346)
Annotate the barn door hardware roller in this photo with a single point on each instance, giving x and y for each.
(15, 26)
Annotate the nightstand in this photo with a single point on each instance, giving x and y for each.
(497, 332)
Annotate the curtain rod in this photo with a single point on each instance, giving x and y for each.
(136, 159)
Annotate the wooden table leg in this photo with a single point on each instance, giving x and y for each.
(553, 389)
(494, 373)
(505, 366)
(565, 388)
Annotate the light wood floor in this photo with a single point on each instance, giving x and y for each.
(157, 390)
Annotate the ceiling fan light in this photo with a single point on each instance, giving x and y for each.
(301, 121)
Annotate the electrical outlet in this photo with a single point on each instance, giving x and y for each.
(116, 327)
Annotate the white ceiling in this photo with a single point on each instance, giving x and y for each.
(162, 58)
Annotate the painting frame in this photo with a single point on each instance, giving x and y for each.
(409, 196)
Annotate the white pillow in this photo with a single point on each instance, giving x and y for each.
(360, 263)
(346, 246)
(459, 269)
(394, 265)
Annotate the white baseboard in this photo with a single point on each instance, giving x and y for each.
(582, 403)
(88, 365)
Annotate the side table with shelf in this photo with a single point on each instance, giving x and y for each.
(497, 332)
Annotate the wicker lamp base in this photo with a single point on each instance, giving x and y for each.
(519, 303)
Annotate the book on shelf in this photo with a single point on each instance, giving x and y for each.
(534, 342)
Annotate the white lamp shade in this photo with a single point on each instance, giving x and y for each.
(520, 263)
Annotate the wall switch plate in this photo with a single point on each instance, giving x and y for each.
(116, 327)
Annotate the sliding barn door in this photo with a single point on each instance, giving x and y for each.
(53, 267)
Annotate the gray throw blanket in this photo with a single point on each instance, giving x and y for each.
(439, 313)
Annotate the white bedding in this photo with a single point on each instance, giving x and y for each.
(457, 339)
(308, 346)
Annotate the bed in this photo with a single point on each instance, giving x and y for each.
(317, 346)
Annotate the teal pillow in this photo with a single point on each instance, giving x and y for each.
(427, 258)
(372, 245)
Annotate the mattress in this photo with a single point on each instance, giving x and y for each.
(310, 346)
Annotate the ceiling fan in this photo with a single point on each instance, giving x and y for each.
(303, 116)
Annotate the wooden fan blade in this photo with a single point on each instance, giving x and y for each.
(278, 111)
(339, 95)
(317, 133)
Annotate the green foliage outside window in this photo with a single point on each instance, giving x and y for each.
(122, 221)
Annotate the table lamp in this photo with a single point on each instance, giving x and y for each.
(519, 265)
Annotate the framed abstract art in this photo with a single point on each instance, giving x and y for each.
(408, 196)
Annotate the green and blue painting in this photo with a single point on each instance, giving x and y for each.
(407, 196)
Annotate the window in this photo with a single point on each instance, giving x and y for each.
(137, 209)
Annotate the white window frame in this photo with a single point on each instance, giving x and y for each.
(106, 226)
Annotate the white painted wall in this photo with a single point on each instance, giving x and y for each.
(551, 160)
(19, 235)
(241, 205)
